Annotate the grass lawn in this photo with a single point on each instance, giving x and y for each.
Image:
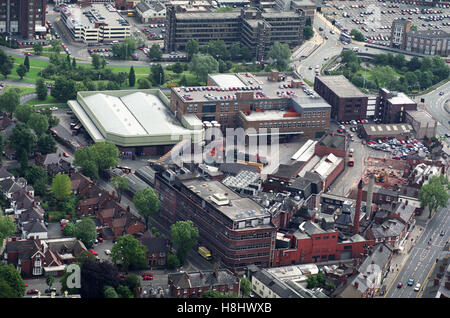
(21, 90)
(48, 100)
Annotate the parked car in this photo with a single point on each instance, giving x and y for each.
(50, 290)
(107, 252)
(32, 292)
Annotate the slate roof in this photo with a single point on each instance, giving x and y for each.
(9, 186)
(380, 257)
(389, 228)
(35, 226)
(155, 244)
(24, 248)
(4, 174)
(275, 285)
(288, 171)
(206, 278)
(235, 168)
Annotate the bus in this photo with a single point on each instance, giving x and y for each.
(203, 251)
(344, 37)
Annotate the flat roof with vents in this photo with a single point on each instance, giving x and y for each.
(228, 202)
(387, 129)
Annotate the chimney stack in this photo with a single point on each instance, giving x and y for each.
(358, 208)
(369, 197)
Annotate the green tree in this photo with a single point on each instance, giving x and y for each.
(120, 184)
(434, 194)
(38, 177)
(235, 51)
(133, 282)
(23, 113)
(202, 65)
(147, 203)
(39, 123)
(358, 36)
(185, 236)
(26, 62)
(49, 280)
(177, 68)
(64, 89)
(155, 52)
(99, 156)
(96, 61)
(85, 231)
(246, 53)
(414, 64)
(6, 64)
(69, 229)
(74, 63)
(183, 81)
(245, 286)
(56, 46)
(144, 83)
(110, 292)
(9, 101)
(21, 71)
(281, 54)
(172, 261)
(22, 140)
(41, 89)
(308, 32)
(37, 47)
(131, 77)
(124, 292)
(11, 283)
(191, 48)
(129, 252)
(61, 186)
(2, 145)
(157, 74)
(46, 144)
(7, 228)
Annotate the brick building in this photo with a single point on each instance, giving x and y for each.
(428, 42)
(236, 229)
(346, 100)
(264, 101)
(194, 284)
(391, 107)
(24, 17)
(311, 244)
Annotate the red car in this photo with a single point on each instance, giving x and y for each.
(100, 239)
(93, 252)
(396, 157)
(147, 276)
(326, 37)
(65, 154)
(340, 130)
(28, 53)
(32, 292)
(121, 276)
(399, 285)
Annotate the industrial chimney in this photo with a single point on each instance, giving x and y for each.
(358, 208)
(369, 197)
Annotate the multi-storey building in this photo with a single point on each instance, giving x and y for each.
(273, 101)
(428, 42)
(95, 23)
(236, 229)
(391, 107)
(22, 17)
(252, 27)
(346, 100)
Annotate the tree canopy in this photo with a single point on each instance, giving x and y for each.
(61, 186)
(86, 231)
(129, 252)
(281, 54)
(99, 156)
(185, 236)
(11, 283)
(434, 194)
(147, 203)
(202, 65)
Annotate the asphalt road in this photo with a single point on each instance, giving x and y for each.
(434, 104)
(422, 256)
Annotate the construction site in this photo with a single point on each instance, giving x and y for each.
(388, 173)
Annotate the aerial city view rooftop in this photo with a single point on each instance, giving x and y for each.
(224, 149)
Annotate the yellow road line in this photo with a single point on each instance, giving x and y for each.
(398, 273)
(426, 278)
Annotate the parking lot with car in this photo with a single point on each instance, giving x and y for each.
(374, 17)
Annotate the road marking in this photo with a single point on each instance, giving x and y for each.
(426, 279)
(398, 273)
